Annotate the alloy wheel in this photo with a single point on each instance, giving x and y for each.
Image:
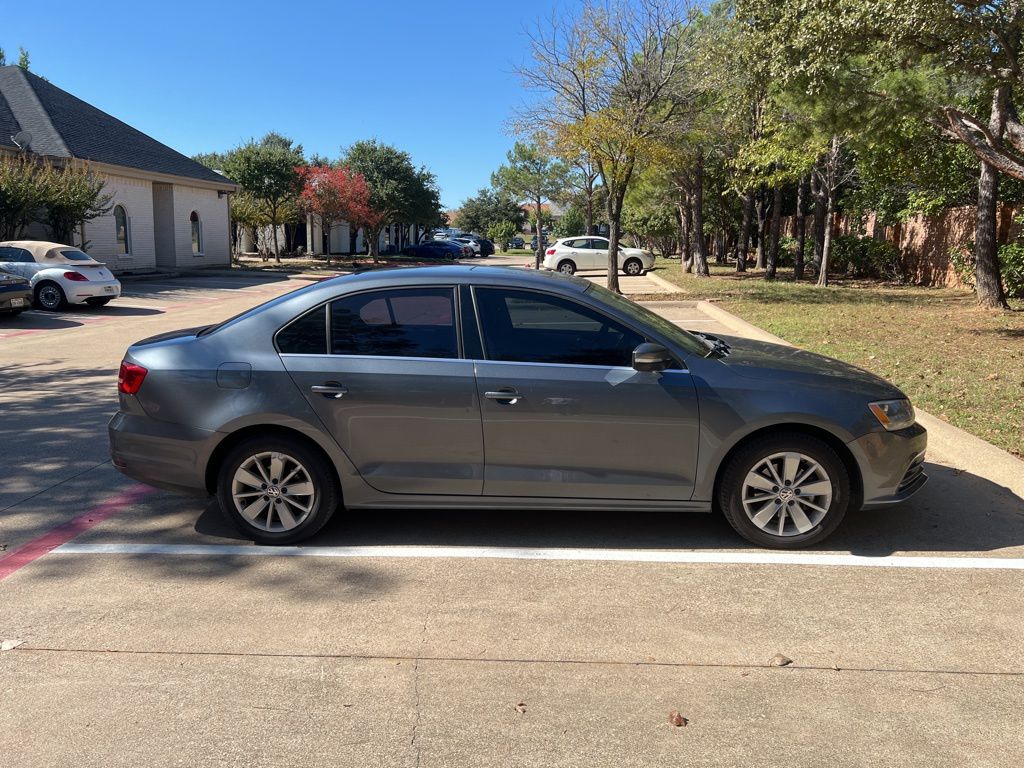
(787, 494)
(633, 268)
(49, 297)
(273, 491)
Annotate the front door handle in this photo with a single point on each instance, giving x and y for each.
(505, 396)
(332, 390)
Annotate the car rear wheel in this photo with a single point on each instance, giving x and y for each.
(98, 302)
(50, 296)
(633, 267)
(277, 490)
(785, 491)
(567, 267)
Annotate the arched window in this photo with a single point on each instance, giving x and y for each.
(197, 234)
(122, 235)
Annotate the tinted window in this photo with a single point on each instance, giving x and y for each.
(576, 243)
(414, 322)
(73, 254)
(524, 326)
(598, 245)
(305, 336)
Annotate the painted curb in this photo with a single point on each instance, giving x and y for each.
(662, 283)
(949, 444)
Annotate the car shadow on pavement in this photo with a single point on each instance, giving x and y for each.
(37, 321)
(955, 512)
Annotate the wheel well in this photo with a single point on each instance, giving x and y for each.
(833, 442)
(263, 430)
(566, 261)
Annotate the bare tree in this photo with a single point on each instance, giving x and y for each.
(611, 79)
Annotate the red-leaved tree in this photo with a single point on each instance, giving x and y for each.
(339, 194)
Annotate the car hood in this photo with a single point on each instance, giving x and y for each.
(781, 364)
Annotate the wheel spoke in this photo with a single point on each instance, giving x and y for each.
(287, 518)
(771, 468)
(276, 466)
(820, 488)
(263, 471)
(760, 482)
(790, 466)
(782, 520)
(815, 507)
(800, 520)
(247, 477)
(300, 489)
(764, 514)
(295, 504)
(252, 511)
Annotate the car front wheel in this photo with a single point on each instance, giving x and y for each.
(785, 491)
(277, 490)
(50, 296)
(633, 267)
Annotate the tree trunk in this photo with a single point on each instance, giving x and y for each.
(743, 243)
(273, 229)
(987, 281)
(539, 253)
(826, 245)
(614, 208)
(818, 224)
(685, 245)
(700, 256)
(590, 213)
(759, 208)
(776, 230)
(801, 226)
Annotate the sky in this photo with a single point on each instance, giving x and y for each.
(435, 79)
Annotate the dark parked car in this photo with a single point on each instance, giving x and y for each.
(480, 387)
(15, 294)
(486, 247)
(434, 249)
(517, 242)
(533, 242)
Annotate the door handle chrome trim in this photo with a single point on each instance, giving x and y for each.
(506, 396)
(330, 390)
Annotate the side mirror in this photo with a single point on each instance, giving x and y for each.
(651, 358)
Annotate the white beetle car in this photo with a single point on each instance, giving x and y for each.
(59, 274)
(572, 254)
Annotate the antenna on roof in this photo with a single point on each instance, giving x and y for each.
(22, 140)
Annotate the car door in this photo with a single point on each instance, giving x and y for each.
(566, 415)
(17, 261)
(597, 253)
(392, 390)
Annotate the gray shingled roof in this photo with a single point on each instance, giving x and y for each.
(63, 125)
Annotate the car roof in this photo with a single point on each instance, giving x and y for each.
(38, 248)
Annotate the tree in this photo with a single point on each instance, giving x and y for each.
(611, 77)
(23, 60)
(23, 194)
(532, 175)
(74, 195)
(334, 194)
(501, 233)
(489, 207)
(269, 173)
(399, 192)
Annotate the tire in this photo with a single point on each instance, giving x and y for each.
(98, 302)
(268, 524)
(754, 505)
(567, 267)
(633, 267)
(50, 296)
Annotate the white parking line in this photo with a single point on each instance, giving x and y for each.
(534, 553)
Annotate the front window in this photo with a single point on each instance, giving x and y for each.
(122, 242)
(411, 322)
(530, 327)
(197, 234)
(644, 316)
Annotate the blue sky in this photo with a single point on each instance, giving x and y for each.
(433, 78)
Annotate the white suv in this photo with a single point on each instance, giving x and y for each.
(572, 254)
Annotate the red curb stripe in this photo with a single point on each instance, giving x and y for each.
(62, 534)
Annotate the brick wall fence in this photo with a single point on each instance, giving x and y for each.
(925, 242)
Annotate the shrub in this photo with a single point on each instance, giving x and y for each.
(1011, 267)
(867, 257)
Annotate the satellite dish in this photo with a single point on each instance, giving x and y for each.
(22, 139)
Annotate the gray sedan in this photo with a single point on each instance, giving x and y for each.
(501, 389)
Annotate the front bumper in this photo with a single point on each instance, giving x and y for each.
(15, 297)
(77, 293)
(891, 464)
(161, 454)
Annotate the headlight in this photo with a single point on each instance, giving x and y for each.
(893, 414)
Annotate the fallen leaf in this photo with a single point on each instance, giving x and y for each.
(744, 674)
(521, 707)
(677, 719)
(10, 645)
(778, 660)
(992, 377)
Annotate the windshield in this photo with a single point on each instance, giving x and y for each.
(632, 310)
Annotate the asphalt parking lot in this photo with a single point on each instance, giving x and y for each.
(142, 631)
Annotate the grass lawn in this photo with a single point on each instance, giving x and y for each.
(954, 360)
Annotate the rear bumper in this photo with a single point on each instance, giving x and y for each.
(93, 289)
(14, 298)
(161, 454)
(891, 464)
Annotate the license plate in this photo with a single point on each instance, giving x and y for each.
(17, 302)
(109, 289)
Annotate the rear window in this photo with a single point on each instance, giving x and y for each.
(305, 336)
(73, 254)
(414, 322)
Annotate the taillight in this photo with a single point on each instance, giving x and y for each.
(77, 277)
(551, 251)
(130, 377)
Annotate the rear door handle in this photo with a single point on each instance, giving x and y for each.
(505, 396)
(331, 390)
